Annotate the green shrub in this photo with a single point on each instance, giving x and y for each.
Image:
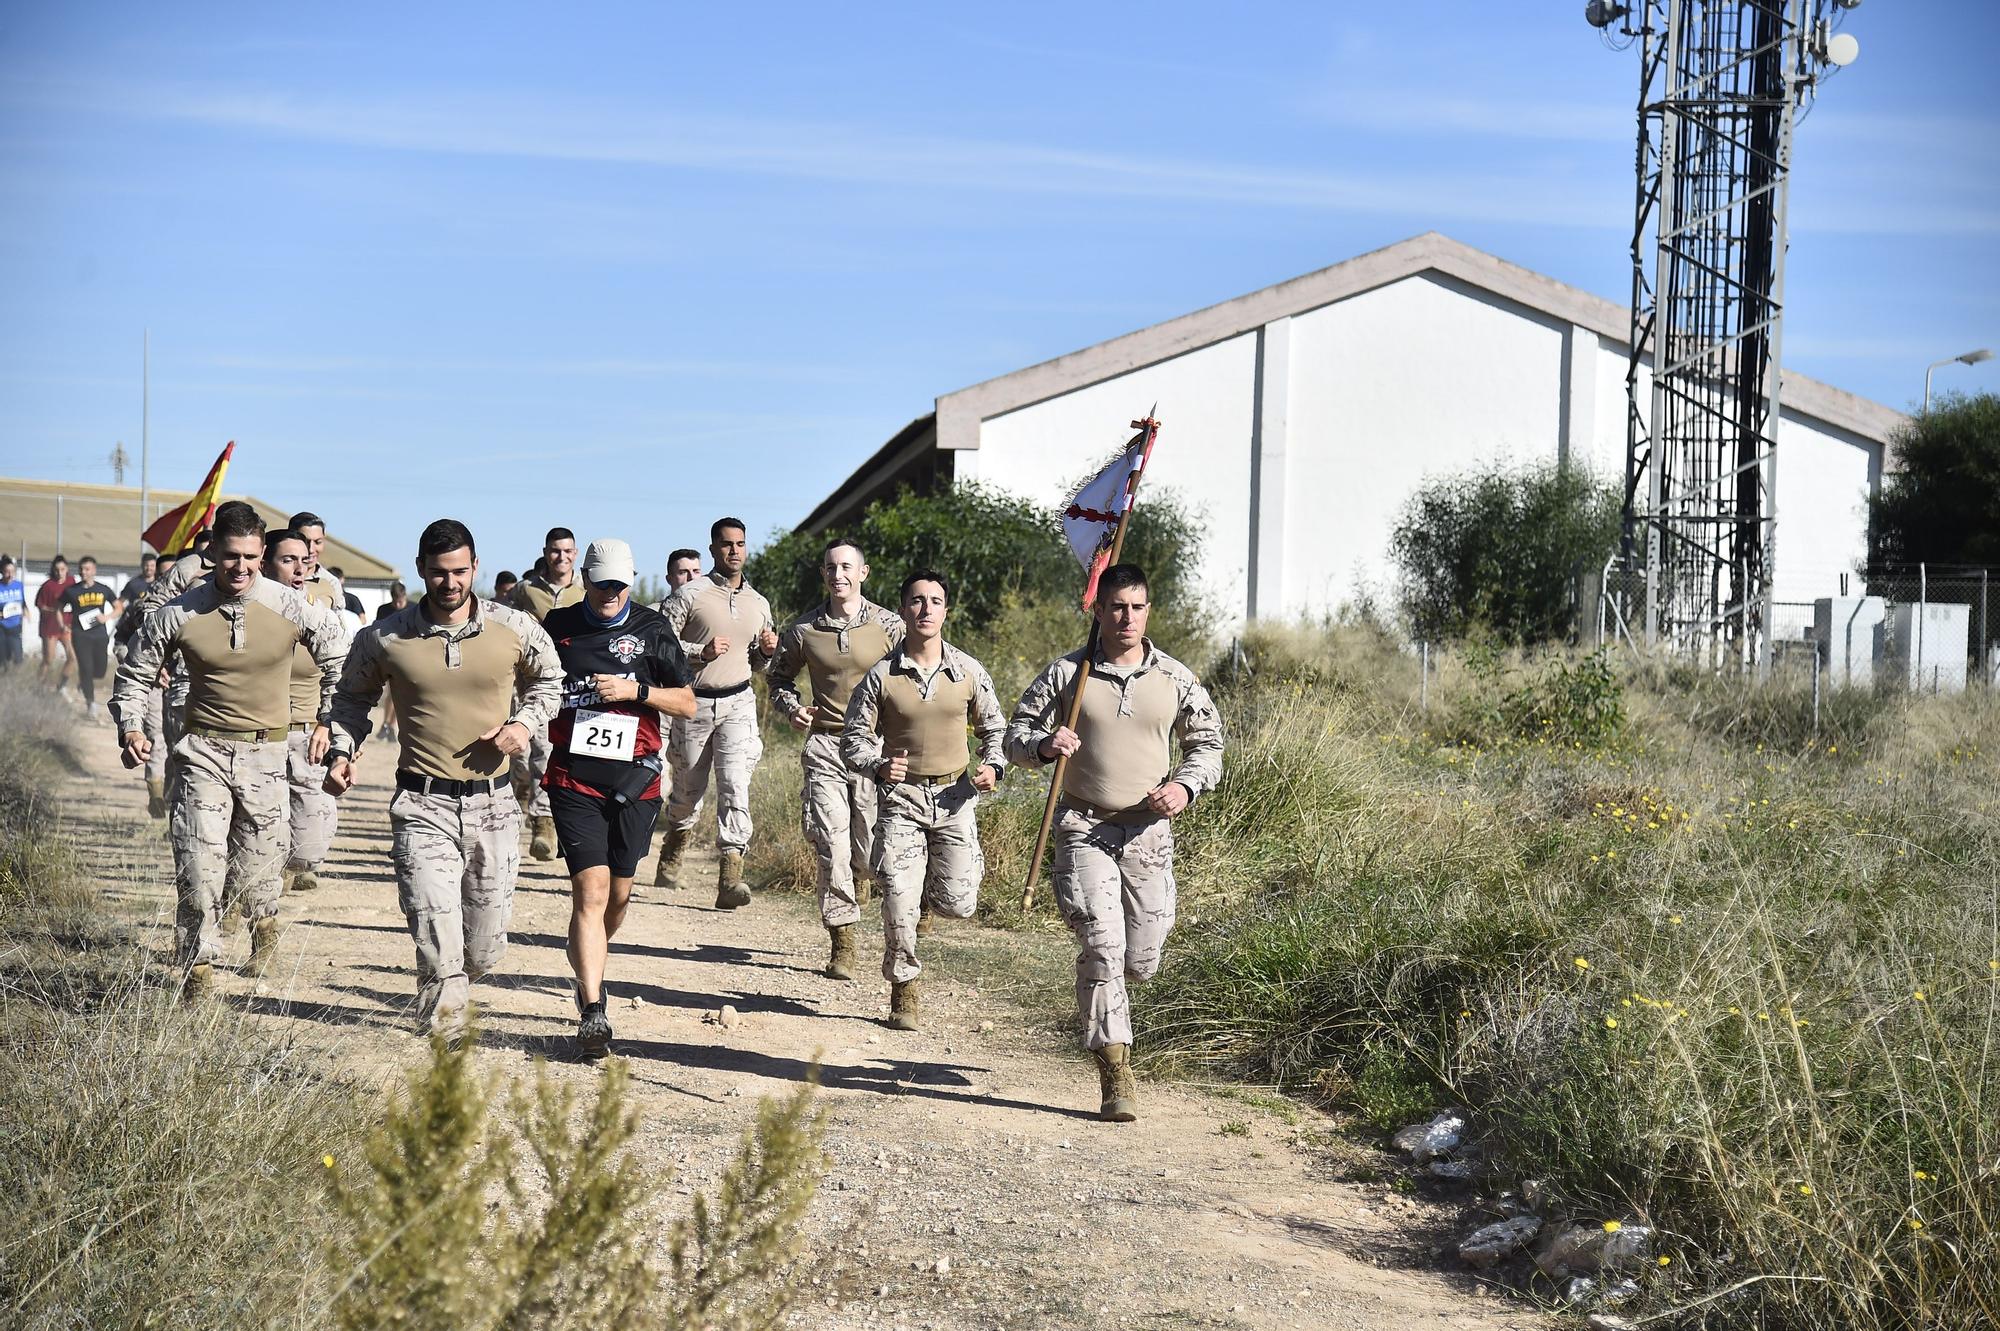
(1501, 548)
(996, 548)
(442, 1222)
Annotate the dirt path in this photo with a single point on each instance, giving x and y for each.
(967, 1146)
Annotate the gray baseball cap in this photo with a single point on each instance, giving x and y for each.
(609, 560)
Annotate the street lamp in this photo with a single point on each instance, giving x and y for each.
(1969, 358)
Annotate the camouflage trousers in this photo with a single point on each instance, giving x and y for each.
(1114, 884)
(721, 736)
(226, 819)
(926, 850)
(456, 857)
(525, 772)
(315, 814)
(838, 807)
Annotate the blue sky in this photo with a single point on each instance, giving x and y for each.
(625, 267)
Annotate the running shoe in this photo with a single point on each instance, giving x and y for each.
(593, 1033)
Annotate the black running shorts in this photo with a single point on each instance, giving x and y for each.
(594, 831)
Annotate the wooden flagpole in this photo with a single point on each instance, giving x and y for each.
(1145, 427)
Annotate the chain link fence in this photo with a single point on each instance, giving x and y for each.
(1922, 628)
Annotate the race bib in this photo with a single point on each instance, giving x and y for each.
(610, 735)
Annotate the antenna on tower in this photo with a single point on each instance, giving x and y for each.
(120, 460)
(1721, 85)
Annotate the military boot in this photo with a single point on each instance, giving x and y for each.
(1114, 1079)
(543, 846)
(305, 880)
(731, 892)
(673, 846)
(263, 945)
(840, 963)
(902, 1005)
(156, 797)
(199, 983)
(926, 922)
(230, 919)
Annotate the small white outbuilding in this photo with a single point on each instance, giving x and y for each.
(1299, 418)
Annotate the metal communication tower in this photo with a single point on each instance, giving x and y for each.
(1721, 84)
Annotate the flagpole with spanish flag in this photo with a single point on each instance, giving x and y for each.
(171, 535)
(1094, 522)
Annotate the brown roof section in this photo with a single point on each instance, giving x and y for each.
(103, 520)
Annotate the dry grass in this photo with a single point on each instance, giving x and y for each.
(1687, 956)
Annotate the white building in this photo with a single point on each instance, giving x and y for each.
(1299, 419)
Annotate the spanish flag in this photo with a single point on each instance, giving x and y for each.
(176, 529)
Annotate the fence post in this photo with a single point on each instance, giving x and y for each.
(1815, 688)
(1985, 652)
(1424, 678)
(1923, 605)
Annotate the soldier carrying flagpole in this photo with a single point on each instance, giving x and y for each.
(1116, 783)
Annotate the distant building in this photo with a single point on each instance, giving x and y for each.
(42, 519)
(1299, 419)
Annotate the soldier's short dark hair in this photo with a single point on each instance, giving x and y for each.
(839, 541)
(201, 539)
(237, 518)
(339, 573)
(1120, 576)
(442, 537)
(683, 553)
(87, 559)
(278, 536)
(505, 575)
(720, 525)
(923, 575)
(557, 534)
(300, 521)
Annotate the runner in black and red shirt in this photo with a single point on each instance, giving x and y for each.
(622, 669)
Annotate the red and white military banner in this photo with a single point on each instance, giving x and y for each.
(1090, 518)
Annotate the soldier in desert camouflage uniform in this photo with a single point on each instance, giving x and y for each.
(835, 643)
(454, 665)
(1114, 839)
(550, 585)
(235, 633)
(315, 814)
(905, 726)
(725, 628)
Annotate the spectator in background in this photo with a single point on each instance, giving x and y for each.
(13, 613)
(348, 600)
(399, 597)
(504, 584)
(55, 633)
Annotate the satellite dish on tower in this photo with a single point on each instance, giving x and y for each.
(1842, 48)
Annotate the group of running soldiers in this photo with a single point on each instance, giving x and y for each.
(249, 703)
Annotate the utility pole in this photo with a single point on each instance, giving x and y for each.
(145, 433)
(120, 460)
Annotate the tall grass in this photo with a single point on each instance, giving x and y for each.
(173, 1165)
(1689, 956)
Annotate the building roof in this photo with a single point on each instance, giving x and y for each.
(103, 520)
(955, 424)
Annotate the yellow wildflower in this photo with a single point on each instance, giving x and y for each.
(1805, 1189)
(1611, 1023)
(1612, 1226)
(327, 1160)
(1582, 964)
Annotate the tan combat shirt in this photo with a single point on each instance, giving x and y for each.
(536, 595)
(835, 652)
(898, 705)
(451, 684)
(708, 608)
(237, 653)
(1131, 714)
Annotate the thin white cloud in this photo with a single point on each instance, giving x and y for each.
(1536, 193)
